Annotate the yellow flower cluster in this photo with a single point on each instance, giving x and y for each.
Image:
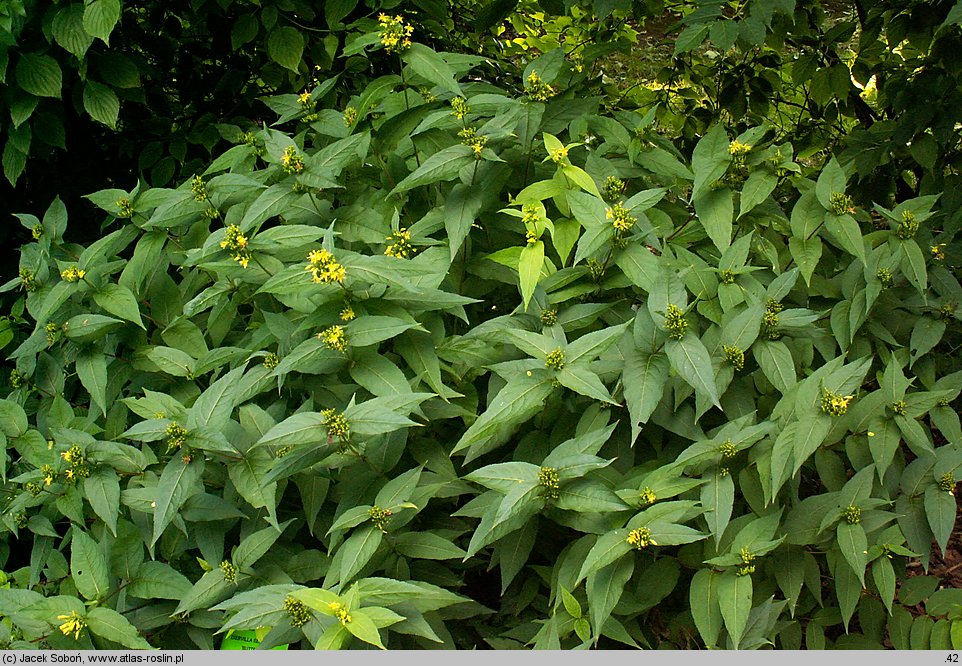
(72, 274)
(235, 241)
(229, 571)
(536, 89)
(126, 208)
(18, 379)
(470, 138)
(852, 515)
(613, 187)
(460, 108)
(640, 538)
(647, 496)
(395, 34)
(199, 189)
(400, 244)
(938, 253)
(347, 314)
(324, 268)
(550, 482)
(738, 149)
(350, 116)
(840, 203)
(176, 436)
(334, 338)
(49, 474)
(747, 566)
(555, 360)
(834, 403)
(735, 356)
(379, 517)
(54, 331)
(304, 99)
(291, 160)
(559, 155)
(620, 218)
(946, 483)
(72, 624)
(727, 449)
(908, 227)
(271, 361)
(297, 612)
(675, 322)
(549, 317)
(337, 426)
(530, 214)
(340, 612)
(27, 280)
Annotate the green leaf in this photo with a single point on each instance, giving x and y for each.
(88, 566)
(884, 576)
(605, 588)
(120, 302)
(735, 601)
(845, 230)
(806, 254)
(831, 179)
(610, 547)
(13, 420)
(68, 30)
(91, 369)
(711, 158)
(112, 626)
(581, 380)
(427, 546)
(255, 545)
(89, 327)
(296, 429)
(776, 363)
(372, 329)
(178, 482)
(940, 509)
(690, 359)
(715, 208)
(39, 75)
(100, 17)
(854, 547)
(101, 103)
(461, 209)
(645, 377)
(913, 265)
(102, 491)
(756, 189)
(427, 64)
(269, 202)
(374, 418)
(718, 497)
(363, 627)
(172, 361)
(571, 604)
(517, 402)
(639, 265)
(529, 270)
(358, 550)
(441, 166)
(704, 603)
(285, 46)
(158, 580)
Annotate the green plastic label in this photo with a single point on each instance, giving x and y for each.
(246, 639)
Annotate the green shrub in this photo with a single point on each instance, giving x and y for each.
(464, 365)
